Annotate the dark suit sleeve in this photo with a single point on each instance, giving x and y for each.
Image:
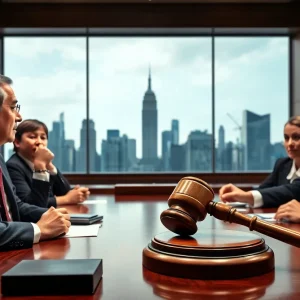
(278, 195)
(271, 180)
(15, 235)
(28, 213)
(61, 185)
(37, 194)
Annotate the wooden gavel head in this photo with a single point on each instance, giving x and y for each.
(187, 205)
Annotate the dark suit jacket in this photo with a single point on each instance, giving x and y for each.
(276, 189)
(33, 191)
(17, 234)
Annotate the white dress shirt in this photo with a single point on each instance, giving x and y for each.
(258, 200)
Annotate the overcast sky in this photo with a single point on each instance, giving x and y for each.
(50, 77)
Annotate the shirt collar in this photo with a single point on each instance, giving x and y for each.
(29, 163)
(293, 172)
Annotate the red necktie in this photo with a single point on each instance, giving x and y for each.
(3, 204)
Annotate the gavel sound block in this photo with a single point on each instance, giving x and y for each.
(210, 254)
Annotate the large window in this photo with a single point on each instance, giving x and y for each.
(150, 104)
(50, 83)
(251, 88)
(154, 104)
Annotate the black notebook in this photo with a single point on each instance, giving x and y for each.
(84, 219)
(52, 277)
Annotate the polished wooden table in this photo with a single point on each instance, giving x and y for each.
(128, 227)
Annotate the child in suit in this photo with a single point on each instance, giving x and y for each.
(33, 173)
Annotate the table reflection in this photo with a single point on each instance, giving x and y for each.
(57, 249)
(77, 209)
(179, 288)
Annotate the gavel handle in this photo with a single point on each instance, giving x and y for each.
(227, 213)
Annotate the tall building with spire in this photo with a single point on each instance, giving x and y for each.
(149, 129)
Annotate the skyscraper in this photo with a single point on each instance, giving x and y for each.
(166, 149)
(256, 140)
(149, 129)
(68, 164)
(221, 149)
(198, 151)
(81, 155)
(118, 154)
(132, 161)
(57, 141)
(175, 132)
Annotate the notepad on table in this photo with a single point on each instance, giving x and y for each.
(84, 219)
(82, 231)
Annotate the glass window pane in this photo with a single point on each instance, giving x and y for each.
(252, 101)
(150, 104)
(49, 77)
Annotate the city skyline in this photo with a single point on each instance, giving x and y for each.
(181, 72)
(119, 151)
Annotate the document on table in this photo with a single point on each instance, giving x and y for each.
(93, 202)
(237, 204)
(265, 216)
(83, 230)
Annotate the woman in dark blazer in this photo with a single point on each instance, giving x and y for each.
(32, 172)
(282, 185)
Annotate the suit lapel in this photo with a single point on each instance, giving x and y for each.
(24, 166)
(9, 191)
(285, 172)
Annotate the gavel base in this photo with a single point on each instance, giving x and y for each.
(212, 254)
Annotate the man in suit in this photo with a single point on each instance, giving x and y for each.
(21, 224)
(282, 186)
(33, 173)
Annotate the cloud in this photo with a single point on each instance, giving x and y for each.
(69, 48)
(54, 89)
(131, 55)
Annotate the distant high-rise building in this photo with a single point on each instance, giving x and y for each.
(166, 149)
(81, 155)
(56, 141)
(177, 158)
(238, 156)
(113, 133)
(256, 141)
(117, 153)
(69, 156)
(132, 160)
(199, 151)
(175, 132)
(278, 151)
(221, 149)
(227, 157)
(149, 129)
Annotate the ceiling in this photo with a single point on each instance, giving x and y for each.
(147, 1)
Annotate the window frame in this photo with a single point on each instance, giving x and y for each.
(157, 177)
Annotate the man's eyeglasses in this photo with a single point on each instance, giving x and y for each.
(17, 108)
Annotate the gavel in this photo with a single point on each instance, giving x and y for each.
(190, 202)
